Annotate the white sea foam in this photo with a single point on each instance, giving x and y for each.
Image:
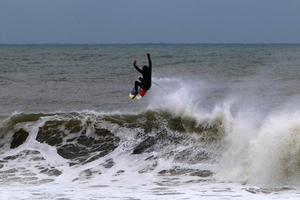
(258, 149)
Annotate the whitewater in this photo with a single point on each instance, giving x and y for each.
(204, 130)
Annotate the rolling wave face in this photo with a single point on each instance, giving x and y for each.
(235, 141)
(41, 148)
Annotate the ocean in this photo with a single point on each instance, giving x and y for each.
(221, 121)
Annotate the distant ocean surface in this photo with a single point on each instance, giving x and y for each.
(221, 121)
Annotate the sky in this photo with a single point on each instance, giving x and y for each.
(149, 21)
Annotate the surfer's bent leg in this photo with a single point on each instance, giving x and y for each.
(137, 84)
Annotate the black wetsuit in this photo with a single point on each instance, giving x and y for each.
(145, 80)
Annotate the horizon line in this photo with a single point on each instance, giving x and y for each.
(159, 43)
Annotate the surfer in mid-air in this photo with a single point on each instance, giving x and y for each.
(144, 82)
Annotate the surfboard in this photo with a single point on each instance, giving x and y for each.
(137, 96)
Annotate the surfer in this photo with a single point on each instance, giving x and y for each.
(145, 81)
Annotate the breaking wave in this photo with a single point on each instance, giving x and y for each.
(42, 146)
(174, 136)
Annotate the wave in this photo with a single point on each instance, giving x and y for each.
(79, 138)
(59, 129)
(174, 136)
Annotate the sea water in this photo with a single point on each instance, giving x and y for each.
(220, 122)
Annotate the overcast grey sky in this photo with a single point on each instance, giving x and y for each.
(152, 21)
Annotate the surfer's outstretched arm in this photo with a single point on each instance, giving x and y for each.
(149, 60)
(136, 67)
